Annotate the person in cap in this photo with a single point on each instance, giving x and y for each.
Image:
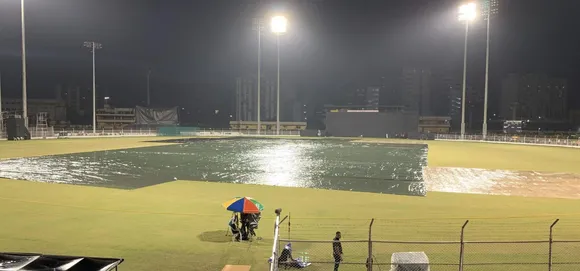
(286, 257)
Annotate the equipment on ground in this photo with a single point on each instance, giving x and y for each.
(16, 129)
(409, 261)
(33, 262)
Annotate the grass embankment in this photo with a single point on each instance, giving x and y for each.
(29, 148)
(181, 225)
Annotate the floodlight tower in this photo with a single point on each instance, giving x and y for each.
(491, 7)
(259, 26)
(467, 13)
(94, 46)
(278, 25)
(24, 91)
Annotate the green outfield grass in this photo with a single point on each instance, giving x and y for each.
(500, 156)
(181, 225)
(13, 149)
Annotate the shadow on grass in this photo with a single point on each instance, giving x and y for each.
(221, 237)
(215, 236)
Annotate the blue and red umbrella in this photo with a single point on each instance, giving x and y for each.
(243, 205)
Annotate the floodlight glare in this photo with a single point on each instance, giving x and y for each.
(278, 24)
(467, 12)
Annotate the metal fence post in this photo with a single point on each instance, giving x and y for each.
(551, 241)
(461, 246)
(289, 226)
(370, 257)
(274, 264)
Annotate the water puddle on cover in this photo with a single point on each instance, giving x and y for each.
(327, 164)
(502, 182)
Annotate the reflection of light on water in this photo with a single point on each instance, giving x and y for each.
(279, 165)
(503, 182)
(465, 180)
(295, 163)
(53, 169)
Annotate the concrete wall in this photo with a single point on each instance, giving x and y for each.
(371, 124)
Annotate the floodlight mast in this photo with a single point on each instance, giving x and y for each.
(467, 13)
(278, 25)
(94, 46)
(24, 86)
(259, 26)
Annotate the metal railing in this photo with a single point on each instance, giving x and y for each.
(511, 139)
(50, 132)
(105, 132)
(463, 255)
(228, 132)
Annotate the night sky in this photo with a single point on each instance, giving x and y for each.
(195, 49)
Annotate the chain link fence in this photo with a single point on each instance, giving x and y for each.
(365, 243)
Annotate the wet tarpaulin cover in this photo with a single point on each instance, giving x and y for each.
(152, 116)
(33, 262)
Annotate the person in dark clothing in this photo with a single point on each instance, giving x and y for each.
(234, 227)
(286, 257)
(244, 228)
(252, 223)
(337, 250)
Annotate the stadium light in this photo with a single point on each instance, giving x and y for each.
(278, 25)
(94, 46)
(259, 25)
(23, 45)
(490, 7)
(467, 13)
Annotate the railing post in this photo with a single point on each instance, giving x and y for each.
(274, 264)
(461, 246)
(370, 257)
(289, 227)
(551, 241)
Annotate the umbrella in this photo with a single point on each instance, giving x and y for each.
(243, 205)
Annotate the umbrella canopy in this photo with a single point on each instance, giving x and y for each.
(243, 205)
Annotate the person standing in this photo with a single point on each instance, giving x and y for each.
(337, 250)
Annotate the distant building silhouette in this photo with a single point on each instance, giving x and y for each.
(534, 97)
(247, 99)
